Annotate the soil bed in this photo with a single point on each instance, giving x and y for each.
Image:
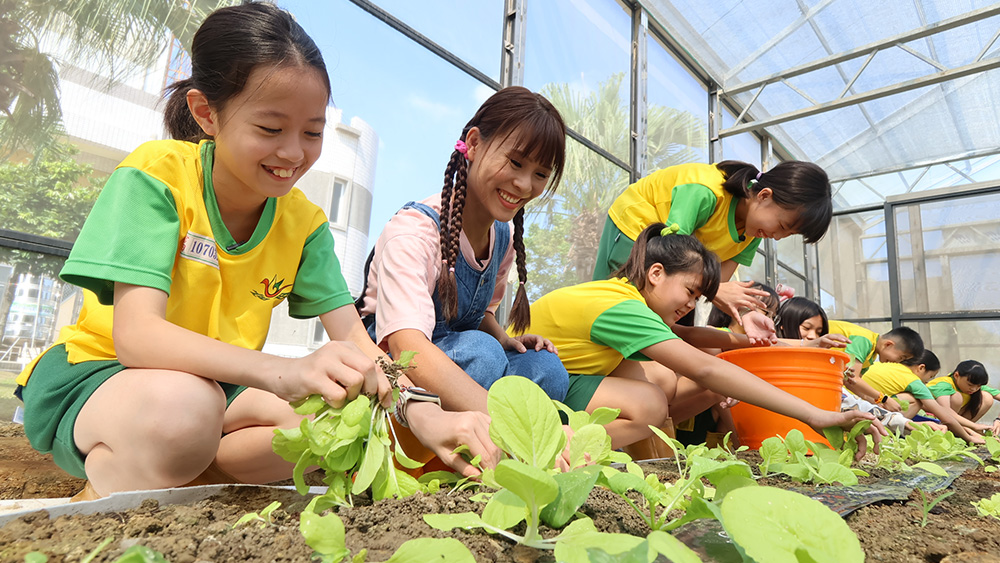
(202, 531)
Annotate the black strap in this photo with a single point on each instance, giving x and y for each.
(359, 303)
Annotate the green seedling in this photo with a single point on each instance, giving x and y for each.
(525, 424)
(790, 456)
(141, 554)
(36, 557)
(350, 444)
(923, 444)
(993, 446)
(929, 504)
(989, 506)
(264, 517)
(326, 536)
(100, 547)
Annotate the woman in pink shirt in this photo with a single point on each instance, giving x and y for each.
(439, 269)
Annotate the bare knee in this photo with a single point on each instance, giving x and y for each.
(649, 407)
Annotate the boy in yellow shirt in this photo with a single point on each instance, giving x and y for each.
(897, 345)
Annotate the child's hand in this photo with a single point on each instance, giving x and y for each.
(996, 427)
(523, 342)
(732, 296)
(338, 371)
(847, 420)
(759, 329)
(827, 341)
(442, 431)
(729, 403)
(892, 405)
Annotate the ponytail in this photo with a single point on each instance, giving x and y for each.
(177, 118)
(452, 205)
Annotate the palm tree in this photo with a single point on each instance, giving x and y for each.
(566, 228)
(120, 36)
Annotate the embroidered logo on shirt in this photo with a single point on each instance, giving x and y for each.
(273, 289)
(200, 249)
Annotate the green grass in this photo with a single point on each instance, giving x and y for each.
(8, 402)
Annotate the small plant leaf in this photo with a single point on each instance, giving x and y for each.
(534, 486)
(504, 510)
(574, 488)
(325, 534)
(779, 526)
(670, 547)
(931, 468)
(406, 358)
(423, 550)
(445, 522)
(524, 422)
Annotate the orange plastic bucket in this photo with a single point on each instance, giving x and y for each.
(812, 374)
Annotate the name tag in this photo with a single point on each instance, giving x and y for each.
(200, 249)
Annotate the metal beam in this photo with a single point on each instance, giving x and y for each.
(639, 105)
(944, 25)
(514, 30)
(34, 243)
(929, 80)
(922, 164)
(425, 42)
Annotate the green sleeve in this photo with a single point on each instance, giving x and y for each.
(859, 348)
(690, 207)
(990, 391)
(629, 327)
(319, 285)
(130, 236)
(745, 258)
(919, 390)
(943, 389)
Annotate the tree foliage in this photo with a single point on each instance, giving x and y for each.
(566, 228)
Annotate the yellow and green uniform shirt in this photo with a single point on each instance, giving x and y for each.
(157, 224)
(595, 325)
(692, 196)
(891, 378)
(862, 346)
(944, 386)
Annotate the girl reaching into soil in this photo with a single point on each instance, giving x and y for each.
(161, 381)
(439, 269)
(965, 392)
(625, 328)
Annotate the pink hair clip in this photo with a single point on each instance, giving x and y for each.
(461, 147)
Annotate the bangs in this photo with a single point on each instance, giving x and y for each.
(814, 220)
(541, 138)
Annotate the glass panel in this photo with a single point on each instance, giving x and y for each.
(757, 271)
(745, 146)
(562, 234)
(34, 305)
(945, 249)
(447, 23)
(577, 55)
(955, 341)
(853, 267)
(791, 251)
(677, 125)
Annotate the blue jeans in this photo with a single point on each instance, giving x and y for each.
(484, 359)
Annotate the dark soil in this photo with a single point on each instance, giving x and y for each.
(203, 532)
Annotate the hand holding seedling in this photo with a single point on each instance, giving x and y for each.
(443, 432)
(847, 420)
(523, 342)
(338, 371)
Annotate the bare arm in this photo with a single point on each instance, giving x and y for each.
(945, 402)
(145, 339)
(950, 419)
(433, 370)
(705, 337)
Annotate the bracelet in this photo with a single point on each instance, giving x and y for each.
(407, 394)
(744, 310)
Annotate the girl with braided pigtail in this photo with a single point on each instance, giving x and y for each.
(439, 269)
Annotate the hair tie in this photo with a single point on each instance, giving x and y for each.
(461, 147)
(759, 174)
(451, 270)
(522, 283)
(670, 229)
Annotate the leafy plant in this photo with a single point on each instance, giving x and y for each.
(525, 424)
(775, 525)
(326, 536)
(264, 517)
(993, 446)
(790, 456)
(923, 444)
(989, 506)
(929, 504)
(141, 554)
(351, 445)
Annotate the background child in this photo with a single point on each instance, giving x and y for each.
(907, 381)
(965, 392)
(802, 320)
(625, 327)
(440, 267)
(172, 388)
(897, 345)
(729, 207)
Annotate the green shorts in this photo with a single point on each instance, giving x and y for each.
(612, 251)
(581, 390)
(54, 396)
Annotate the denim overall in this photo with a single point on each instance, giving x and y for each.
(476, 352)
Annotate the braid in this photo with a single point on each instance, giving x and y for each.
(452, 203)
(520, 311)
